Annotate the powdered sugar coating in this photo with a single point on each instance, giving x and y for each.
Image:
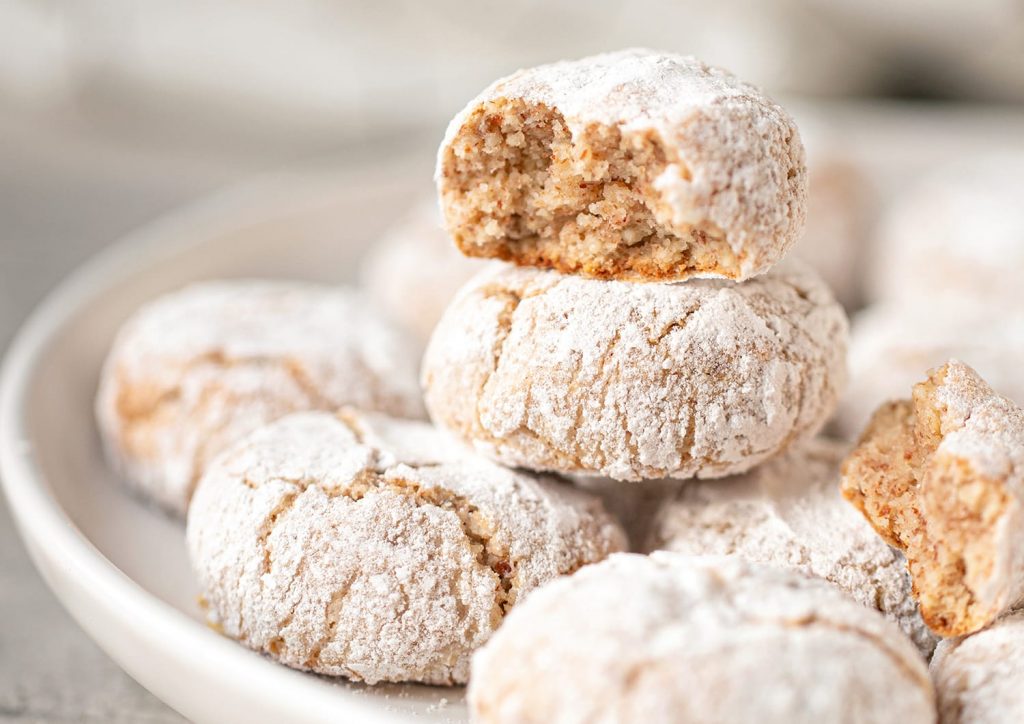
(376, 549)
(197, 369)
(891, 343)
(672, 638)
(978, 677)
(788, 513)
(730, 159)
(636, 381)
(414, 270)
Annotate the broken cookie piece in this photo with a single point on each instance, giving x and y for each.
(372, 548)
(941, 477)
(633, 165)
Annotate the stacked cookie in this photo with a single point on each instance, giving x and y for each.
(645, 329)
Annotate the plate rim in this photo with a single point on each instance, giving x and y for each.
(44, 526)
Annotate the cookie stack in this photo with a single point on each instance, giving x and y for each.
(645, 328)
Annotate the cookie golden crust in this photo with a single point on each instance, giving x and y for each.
(375, 549)
(978, 678)
(788, 513)
(673, 638)
(941, 476)
(630, 165)
(197, 369)
(636, 381)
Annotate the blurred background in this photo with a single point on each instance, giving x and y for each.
(113, 112)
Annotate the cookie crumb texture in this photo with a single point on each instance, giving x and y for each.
(939, 476)
(371, 548)
(629, 165)
(788, 513)
(197, 369)
(636, 381)
(672, 638)
(978, 678)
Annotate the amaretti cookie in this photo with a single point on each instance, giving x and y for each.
(414, 270)
(197, 369)
(959, 232)
(636, 381)
(892, 342)
(673, 638)
(788, 513)
(978, 678)
(628, 165)
(941, 476)
(366, 547)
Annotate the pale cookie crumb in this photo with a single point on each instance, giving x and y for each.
(195, 370)
(682, 639)
(636, 381)
(788, 513)
(978, 678)
(627, 165)
(376, 549)
(941, 476)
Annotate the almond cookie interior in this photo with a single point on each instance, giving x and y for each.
(520, 186)
(935, 502)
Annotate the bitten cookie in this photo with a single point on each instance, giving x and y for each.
(367, 547)
(978, 678)
(788, 513)
(672, 638)
(636, 381)
(891, 342)
(414, 271)
(941, 477)
(628, 165)
(197, 369)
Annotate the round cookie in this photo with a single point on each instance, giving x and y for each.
(628, 165)
(958, 232)
(636, 381)
(941, 477)
(672, 638)
(366, 547)
(197, 369)
(978, 678)
(414, 271)
(788, 513)
(891, 343)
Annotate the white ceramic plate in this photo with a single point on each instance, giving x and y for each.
(119, 566)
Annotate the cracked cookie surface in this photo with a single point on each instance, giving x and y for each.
(377, 549)
(978, 677)
(197, 369)
(673, 638)
(788, 513)
(941, 476)
(636, 381)
(630, 165)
